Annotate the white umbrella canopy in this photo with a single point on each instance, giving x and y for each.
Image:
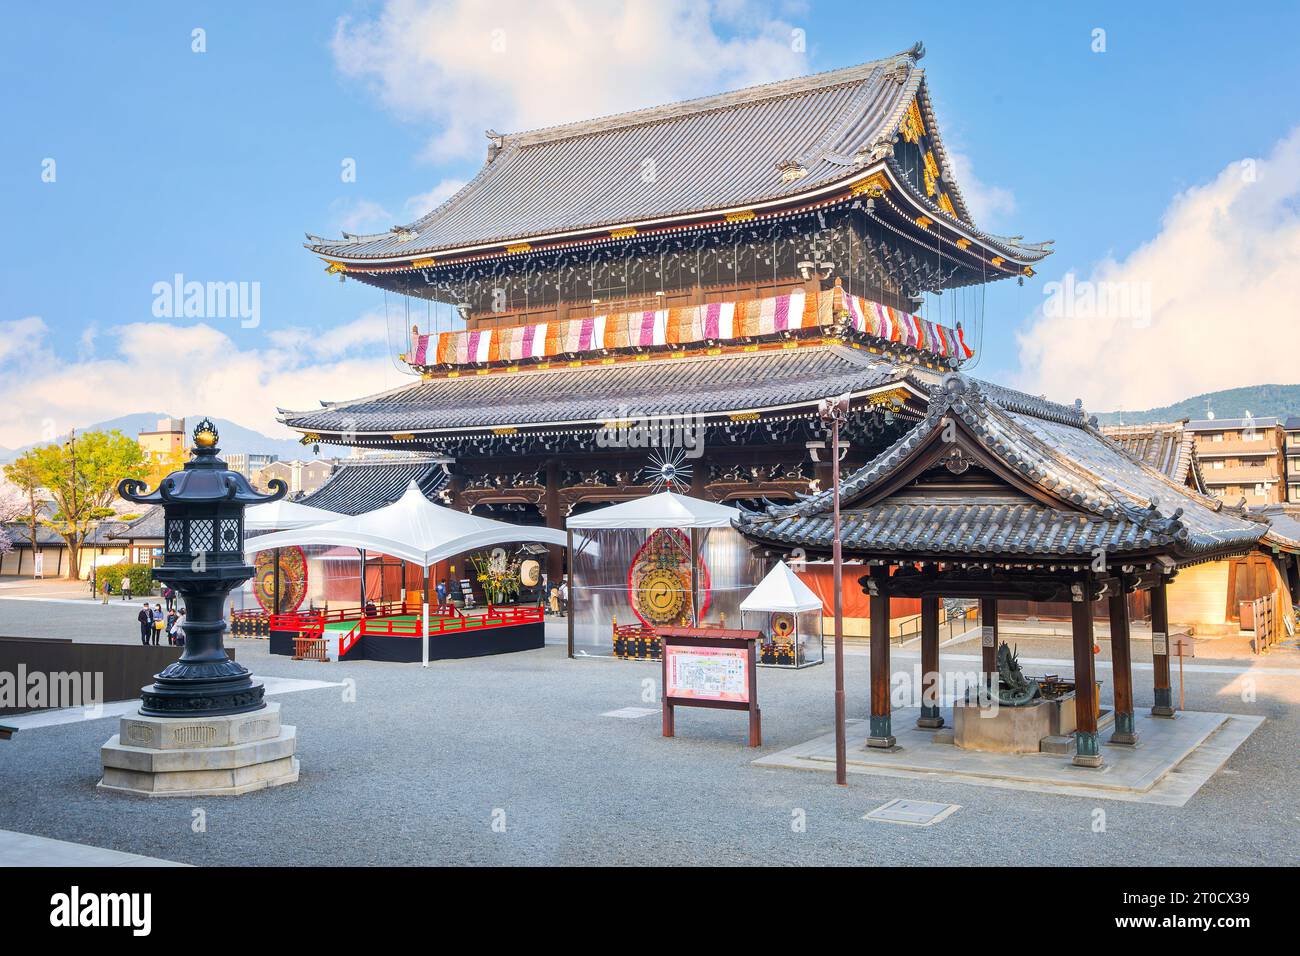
(412, 528)
(285, 515)
(781, 590)
(664, 510)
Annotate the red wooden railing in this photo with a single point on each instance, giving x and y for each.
(493, 617)
(443, 619)
(316, 620)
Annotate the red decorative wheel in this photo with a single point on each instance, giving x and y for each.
(293, 579)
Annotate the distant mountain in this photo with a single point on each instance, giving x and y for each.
(234, 437)
(1262, 401)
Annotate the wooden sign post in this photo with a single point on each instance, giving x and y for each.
(710, 667)
(1182, 646)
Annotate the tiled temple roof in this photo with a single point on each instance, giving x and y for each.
(1284, 526)
(716, 153)
(363, 486)
(1168, 447)
(695, 384)
(1074, 491)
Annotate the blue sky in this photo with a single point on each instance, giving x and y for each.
(214, 164)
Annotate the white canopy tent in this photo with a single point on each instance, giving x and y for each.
(781, 590)
(664, 510)
(607, 543)
(284, 516)
(414, 529)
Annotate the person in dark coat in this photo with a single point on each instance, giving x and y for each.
(145, 618)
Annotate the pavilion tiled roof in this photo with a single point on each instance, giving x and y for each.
(695, 384)
(718, 152)
(1090, 495)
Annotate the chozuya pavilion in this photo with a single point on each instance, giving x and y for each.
(998, 496)
(692, 277)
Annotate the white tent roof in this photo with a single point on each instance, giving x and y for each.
(282, 515)
(412, 528)
(664, 510)
(781, 590)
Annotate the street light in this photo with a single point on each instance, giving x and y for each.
(833, 412)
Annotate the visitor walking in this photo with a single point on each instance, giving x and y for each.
(178, 629)
(441, 589)
(108, 587)
(145, 619)
(159, 621)
(170, 597)
(564, 595)
(126, 587)
(172, 618)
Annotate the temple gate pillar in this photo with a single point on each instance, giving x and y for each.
(931, 684)
(1087, 751)
(1122, 669)
(989, 640)
(881, 723)
(1164, 701)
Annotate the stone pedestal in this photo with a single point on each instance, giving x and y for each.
(200, 756)
(1011, 730)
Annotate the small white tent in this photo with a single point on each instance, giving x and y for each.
(285, 515)
(794, 627)
(781, 590)
(664, 510)
(414, 529)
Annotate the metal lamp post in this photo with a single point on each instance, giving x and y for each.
(833, 411)
(203, 559)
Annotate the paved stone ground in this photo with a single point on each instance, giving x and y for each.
(414, 770)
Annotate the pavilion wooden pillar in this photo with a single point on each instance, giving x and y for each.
(1121, 669)
(554, 553)
(931, 685)
(989, 640)
(1164, 701)
(881, 723)
(1087, 751)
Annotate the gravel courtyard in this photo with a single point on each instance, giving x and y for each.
(507, 760)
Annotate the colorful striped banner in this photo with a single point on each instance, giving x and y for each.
(715, 322)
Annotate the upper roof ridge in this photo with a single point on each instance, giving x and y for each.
(716, 101)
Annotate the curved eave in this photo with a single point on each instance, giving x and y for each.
(332, 436)
(842, 190)
(1175, 549)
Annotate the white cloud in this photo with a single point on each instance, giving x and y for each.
(360, 216)
(511, 65)
(197, 367)
(1211, 299)
(987, 203)
(418, 205)
(19, 337)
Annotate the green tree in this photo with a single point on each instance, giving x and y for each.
(81, 476)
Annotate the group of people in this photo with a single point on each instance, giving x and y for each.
(154, 622)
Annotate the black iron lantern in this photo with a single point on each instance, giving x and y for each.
(203, 559)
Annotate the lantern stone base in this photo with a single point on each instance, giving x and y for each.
(200, 756)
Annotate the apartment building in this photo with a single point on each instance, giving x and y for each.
(1292, 429)
(1243, 458)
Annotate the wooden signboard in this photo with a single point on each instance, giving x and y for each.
(710, 667)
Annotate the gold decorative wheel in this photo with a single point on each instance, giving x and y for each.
(659, 596)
